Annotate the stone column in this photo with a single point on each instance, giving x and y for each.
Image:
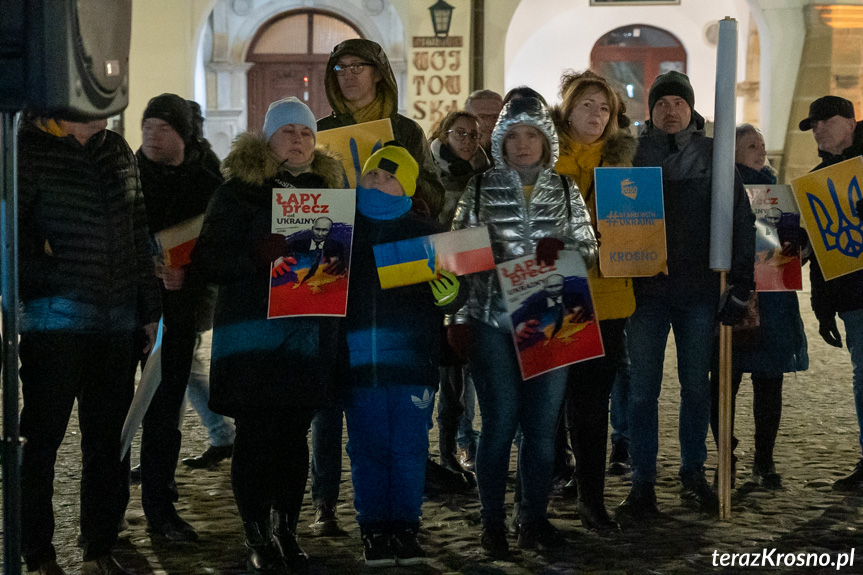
(781, 31)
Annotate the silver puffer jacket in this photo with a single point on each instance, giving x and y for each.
(516, 225)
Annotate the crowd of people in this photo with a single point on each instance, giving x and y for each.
(92, 298)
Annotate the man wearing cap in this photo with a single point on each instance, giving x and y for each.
(685, 299)
(839, 137)
(176, 187)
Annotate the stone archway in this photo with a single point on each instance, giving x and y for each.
(632, 56)
(289, 56)
(235, 27)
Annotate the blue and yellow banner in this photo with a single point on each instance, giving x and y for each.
(630, 218)
(354, 144)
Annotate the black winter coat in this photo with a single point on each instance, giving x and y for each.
(172, 195)
(393, 334)
(844, 293)
(686, 159)
(84, 252)
(261, 366)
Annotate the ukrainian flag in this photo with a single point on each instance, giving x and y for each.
(406, 262)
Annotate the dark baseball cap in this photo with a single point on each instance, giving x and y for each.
(825, 108)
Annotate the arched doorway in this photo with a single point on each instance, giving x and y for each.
(289, 56)
(632, 56)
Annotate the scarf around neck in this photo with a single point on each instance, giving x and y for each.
(377, 205)
(383, 106)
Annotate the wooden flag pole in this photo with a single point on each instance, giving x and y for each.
(725, 416)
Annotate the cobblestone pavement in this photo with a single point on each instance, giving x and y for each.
(817, 444)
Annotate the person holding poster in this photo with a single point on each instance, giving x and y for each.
(685, 300)
(528, 208)
(839, 137)
(361, 87)
(269, 375)
(393, 342)
(177, 185)
(781, 346)
(592, 124)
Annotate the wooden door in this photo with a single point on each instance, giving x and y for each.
(271, 81)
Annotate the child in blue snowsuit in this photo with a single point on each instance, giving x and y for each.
(393, 340)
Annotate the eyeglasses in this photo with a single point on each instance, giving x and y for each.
(460, 135)
(358, 68)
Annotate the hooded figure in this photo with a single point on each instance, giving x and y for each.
(526, 206)
(384, 105)
(516, 226)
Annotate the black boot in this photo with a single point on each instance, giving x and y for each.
(591, 500)
(594, 516)
(285, 541)
(447, 444)
(263, 558)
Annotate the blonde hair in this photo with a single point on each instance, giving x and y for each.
(574, 85)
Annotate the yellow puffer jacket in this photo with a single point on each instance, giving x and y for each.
(612, 297)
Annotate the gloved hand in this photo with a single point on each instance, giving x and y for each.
(733, 305)
(268, 250)
(283, 266)
(526, 329)
(547, 250)
(335, 266)
(444, 289)
(459, 336)
(830, 332)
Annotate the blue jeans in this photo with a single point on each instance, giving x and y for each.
(693, 324)
(620, 400)
(506, 402)
(388, 444)
(220, 429)
(853, 321)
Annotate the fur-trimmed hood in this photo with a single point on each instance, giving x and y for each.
(253, 162)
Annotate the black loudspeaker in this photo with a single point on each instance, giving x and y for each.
(65, 58)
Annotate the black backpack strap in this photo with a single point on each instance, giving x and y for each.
(476, 196)
(566, 195)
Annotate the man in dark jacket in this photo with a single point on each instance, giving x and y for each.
(839, 137)
(87, 285)
(177, 188)
(686, 299)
